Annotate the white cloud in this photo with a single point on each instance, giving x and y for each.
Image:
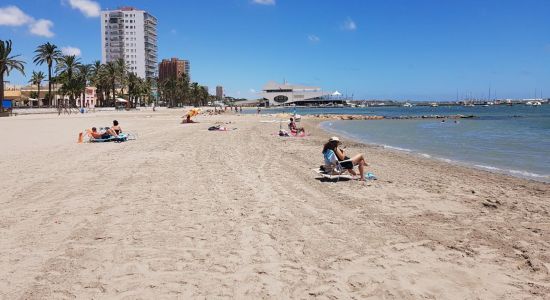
(252, 91)
(349, 25)
(88, 7)
(13, 16)
(71, 51)
(313, 38)
(264, 2)
(41, 27)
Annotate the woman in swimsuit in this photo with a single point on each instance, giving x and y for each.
(346, 162)
(116, 128)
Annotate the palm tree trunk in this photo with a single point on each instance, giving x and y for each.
(114, 95)
(1, 92)
(38, 95)
(50, 102)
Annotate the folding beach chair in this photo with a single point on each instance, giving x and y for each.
(332, 169)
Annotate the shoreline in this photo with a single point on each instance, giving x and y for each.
(521, 174)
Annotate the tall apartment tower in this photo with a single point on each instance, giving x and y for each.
(173, 68)
(219, 92)
(130, 34)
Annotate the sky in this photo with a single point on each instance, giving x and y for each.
(424, 50)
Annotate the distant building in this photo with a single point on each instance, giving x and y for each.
(130, 34)
(173, 68)
(280, 94)
(219, 92)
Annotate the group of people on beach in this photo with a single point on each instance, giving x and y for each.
(107, 132)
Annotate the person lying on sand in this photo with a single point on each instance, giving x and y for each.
(331, 148)
(103, 135)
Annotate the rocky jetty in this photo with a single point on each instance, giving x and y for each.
(371, 117)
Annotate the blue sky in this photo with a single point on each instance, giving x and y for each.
(400, 49)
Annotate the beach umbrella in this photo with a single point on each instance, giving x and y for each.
(193, 112)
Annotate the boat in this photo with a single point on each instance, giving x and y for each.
(407, 104)
(533, 103)
(434, 104)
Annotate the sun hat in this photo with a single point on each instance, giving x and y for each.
(334, 139)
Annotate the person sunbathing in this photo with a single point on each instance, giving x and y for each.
(331, 148)
(103, 135)
(294, 128)
(116, 128)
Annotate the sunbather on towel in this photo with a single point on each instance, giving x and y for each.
(346, 162)
(103, 135)
(116, 128)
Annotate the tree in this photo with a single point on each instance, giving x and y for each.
(67, 69)
(195, 94)
(8, 63)
(111, 75)
(204, 96)
(97, 80)
(183, 90)
(122, 73)
(134, 86)
(84, 77)
(37, 78)
(47, 53)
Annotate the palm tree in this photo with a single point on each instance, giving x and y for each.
(47, 53)
(84, 76)
(8, 63)
(122, 72)
(183, 88)
(97, 80)
(195, 93)
(110, 74)
(67, 68)
(37, 78)
(203, 95)
(134, 83)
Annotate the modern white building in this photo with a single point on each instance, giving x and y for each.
(130, 34)
(284, 94)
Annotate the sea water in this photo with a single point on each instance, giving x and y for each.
(506, 139)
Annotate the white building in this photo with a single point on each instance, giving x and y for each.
(279, 94)
(130, 34)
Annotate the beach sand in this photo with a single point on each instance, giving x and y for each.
(185, 213)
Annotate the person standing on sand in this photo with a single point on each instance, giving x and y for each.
(259, 110)
(331, 148)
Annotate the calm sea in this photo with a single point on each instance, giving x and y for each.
(506, 139)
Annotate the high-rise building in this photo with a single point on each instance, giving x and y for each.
(219, 92)
(173, 68)
(130, 34)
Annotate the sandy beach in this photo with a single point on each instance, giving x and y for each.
(185, 213)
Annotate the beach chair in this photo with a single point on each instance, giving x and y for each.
(332, 169)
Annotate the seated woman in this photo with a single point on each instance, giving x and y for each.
(116, 128)
(331, 148)
(295, 129)
(104, 135)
